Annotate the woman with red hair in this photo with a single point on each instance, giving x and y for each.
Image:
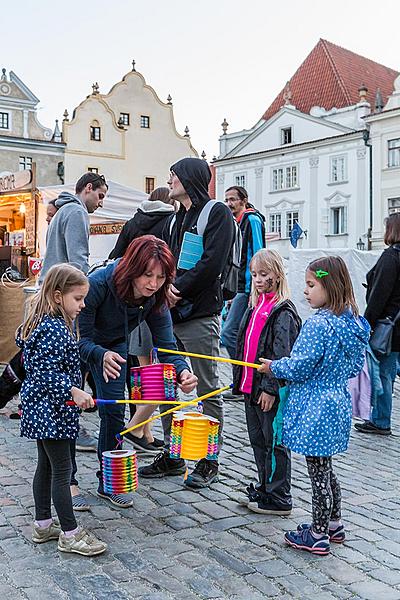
(121, 296)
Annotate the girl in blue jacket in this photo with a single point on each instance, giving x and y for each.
(317, 418)
(53, 377)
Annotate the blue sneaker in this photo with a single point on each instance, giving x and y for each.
(336, 536)
(304, 540)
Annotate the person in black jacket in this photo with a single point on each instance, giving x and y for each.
(269, 328)
(149, 219)
(383, 300)
(196, 297)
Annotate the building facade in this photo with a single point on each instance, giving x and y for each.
(23, 140)
(306, 159)
(384, 137)
(128, 135)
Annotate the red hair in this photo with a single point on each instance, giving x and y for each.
(140, 253)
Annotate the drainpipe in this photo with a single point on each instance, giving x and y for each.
(368, 143)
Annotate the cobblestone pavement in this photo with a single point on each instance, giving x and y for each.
(179, 544)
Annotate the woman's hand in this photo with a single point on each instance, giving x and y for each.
(187, 381)
(112, 362)
(81, 398)
(265, 367)
(266, 401)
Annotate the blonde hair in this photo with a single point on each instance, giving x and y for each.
(61, 278)
(270, 260)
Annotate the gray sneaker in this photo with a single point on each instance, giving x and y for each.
(83, 543)
(40, 535)
(85, 442)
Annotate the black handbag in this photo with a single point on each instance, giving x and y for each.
(381, 338)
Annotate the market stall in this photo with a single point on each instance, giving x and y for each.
(18, 241)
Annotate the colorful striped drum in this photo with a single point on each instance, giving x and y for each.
(120, 471)
(154, 382)
(194, 436)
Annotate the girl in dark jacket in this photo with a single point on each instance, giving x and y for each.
(269, 327)
(383, 300)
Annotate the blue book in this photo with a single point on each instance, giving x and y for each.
(191, 250)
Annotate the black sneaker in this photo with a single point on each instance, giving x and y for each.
(204, 473)
(265, 506)
(369, 427)
(163, 466)
(141, 444)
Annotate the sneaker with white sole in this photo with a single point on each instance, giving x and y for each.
(40, 535)
(337, 535)
(305, 540)
(82, 542)
(85, 442)
(120, 500)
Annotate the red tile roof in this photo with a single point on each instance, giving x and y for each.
(330, 77)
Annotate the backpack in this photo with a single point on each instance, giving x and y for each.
(230, 273)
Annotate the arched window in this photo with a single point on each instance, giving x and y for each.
(95, 131)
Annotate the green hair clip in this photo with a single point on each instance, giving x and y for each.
(320, 273)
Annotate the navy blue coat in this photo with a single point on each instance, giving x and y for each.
(52, 365)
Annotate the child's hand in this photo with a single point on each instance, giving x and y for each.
(187, 381)
(81, 398)
(266, 401)
(265, 367)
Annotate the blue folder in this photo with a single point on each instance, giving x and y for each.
(191, 250)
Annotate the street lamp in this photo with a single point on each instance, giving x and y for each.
(360, 244)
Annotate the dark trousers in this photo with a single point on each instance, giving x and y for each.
(259, 427)
(52, 479)
(111, 415)
(326, 492)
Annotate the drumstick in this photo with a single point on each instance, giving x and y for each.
(232, 361)
(104, 401)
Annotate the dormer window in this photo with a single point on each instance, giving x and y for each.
(124, 119)
(145, 122)
(286, 136)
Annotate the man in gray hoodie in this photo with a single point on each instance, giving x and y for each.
(68, 233)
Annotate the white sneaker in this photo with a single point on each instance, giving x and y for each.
(82, 542)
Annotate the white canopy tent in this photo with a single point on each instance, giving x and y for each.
(120, 205)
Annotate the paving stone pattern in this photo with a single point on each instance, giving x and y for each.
(179, 544)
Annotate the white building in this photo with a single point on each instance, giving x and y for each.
(385, 139)
(128, 135)
(306, 159)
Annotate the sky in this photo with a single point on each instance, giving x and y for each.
(217, 58)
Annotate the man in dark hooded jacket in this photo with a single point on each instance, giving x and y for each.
(196, 298)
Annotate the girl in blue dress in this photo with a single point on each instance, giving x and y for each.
(317, 417)
(53, 377)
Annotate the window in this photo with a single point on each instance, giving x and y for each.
(4, 120)
(149, 185)
(25, 163)
(286, 136)
(338, 169)
(95, 133)
(393, 205)
(284, 178)
(93, 170)
(394, 153)
(124, 118)
(338, 220)
(291, 219)
(145, 122)
(275, 223)
(240, 180)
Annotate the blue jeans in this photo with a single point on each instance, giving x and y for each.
(382, 411)
(231, 327)
(111, 415)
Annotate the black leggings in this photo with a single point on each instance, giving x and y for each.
(52, 480)
(326, 492)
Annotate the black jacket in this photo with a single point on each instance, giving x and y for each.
(276, 341)
(200, 287)
(150, 218)
(252, 226)
(383, 291)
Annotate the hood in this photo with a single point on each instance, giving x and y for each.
(251, 211)
(151, 206)
(67, 198)
(195, 176)
(353, 333)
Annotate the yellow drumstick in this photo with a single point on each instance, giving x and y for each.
(217, 358)
(175, 408)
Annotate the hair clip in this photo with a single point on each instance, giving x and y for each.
(320, 273)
